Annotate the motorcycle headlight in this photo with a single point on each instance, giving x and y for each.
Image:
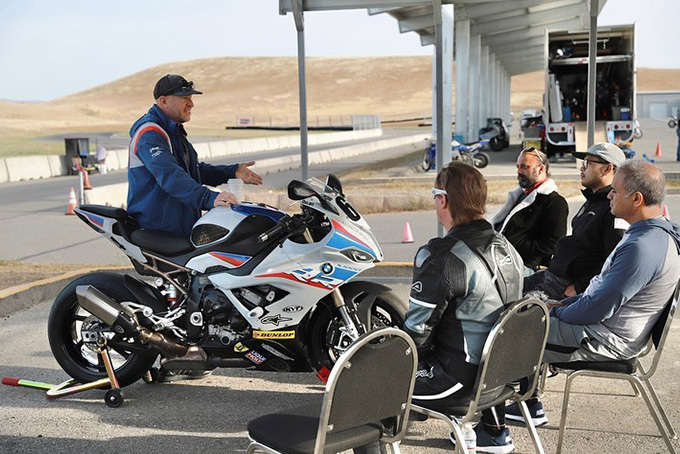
(207, 233)
(357, 255)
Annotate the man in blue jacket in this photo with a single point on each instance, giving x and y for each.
(613, 318)
(165, 178)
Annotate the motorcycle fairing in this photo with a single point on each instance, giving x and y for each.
(109, 227)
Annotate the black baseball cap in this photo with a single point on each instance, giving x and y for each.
(174, 85)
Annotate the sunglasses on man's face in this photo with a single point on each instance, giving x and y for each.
(535, 152)
(437, 191)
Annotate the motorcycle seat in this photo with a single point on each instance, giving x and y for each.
(161, 242)
(109, 212)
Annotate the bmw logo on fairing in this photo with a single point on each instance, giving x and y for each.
(326, 268)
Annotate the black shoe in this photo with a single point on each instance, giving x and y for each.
(167, 376)
(536, 412)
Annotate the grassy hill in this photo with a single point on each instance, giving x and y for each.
(264, 88)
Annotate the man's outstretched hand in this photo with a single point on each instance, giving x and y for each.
(247, 175)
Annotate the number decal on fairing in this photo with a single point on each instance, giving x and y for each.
(347, 208)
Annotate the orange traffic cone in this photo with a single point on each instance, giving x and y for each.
(86, 179)
(665, 212)
(657, 152)
(408, 236)
(72, 203)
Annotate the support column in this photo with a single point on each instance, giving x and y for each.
(484, 87)
(474, 97)
(491, 74)
(302, 86)
(443, 20)
(592, 70)
(462, 80)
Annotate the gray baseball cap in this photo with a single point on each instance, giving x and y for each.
(606, 151)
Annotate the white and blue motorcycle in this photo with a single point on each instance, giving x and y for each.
(252, 287)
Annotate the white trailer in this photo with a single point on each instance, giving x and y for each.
(566, 87)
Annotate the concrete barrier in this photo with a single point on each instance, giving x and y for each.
(57, 165)
(28, 168)
(203, 150)
(33, 167)
(4, 175)
(114, 195)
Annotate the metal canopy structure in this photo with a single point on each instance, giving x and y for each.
(491, 41)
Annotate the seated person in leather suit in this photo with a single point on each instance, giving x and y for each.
(461, 284)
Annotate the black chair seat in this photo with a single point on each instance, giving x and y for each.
(161, 242)
(110, 212)
(487, 400)
(294, 431)
(624, 367)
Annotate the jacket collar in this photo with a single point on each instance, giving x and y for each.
(597, 195)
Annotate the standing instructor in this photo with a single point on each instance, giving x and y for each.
(165, 178)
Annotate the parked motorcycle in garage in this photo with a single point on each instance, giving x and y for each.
(252, 287)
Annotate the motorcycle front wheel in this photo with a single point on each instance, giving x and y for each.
(68, 321)
(427, 163)
(327, 339)
(481, 160)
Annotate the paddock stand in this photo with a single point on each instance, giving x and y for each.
(114, 397)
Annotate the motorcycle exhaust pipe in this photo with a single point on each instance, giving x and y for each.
(113, 314)
(110, 312)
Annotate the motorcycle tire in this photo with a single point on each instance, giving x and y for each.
(496, 144)
(672, 123)
(481, 160)
(66, 320)
(388, 310)
(637, 134)
(427, 164)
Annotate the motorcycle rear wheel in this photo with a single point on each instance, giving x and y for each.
(388, 310)
(78, 359)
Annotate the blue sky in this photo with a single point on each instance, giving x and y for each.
(51, 49)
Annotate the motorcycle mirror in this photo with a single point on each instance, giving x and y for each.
(297, 190)
(334, 182)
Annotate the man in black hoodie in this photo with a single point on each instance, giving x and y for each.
(595, 230)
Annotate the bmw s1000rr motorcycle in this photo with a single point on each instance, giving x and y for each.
(252, 287)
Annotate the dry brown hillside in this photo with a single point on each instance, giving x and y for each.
(392, 87)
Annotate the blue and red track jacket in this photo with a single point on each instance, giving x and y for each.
(166, 180)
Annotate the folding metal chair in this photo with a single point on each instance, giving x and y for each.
(632, 371)
(366, 400)
(512, 352)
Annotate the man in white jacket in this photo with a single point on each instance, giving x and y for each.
(534, 217)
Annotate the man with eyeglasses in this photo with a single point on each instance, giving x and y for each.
(166, 191)
(595, 230)
(534, 217)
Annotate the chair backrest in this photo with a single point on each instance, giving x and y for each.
(513, 350)
(660, 331)
(371, 383)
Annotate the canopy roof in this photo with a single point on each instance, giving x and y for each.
(513, 30)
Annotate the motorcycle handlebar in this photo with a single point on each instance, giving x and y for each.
(289, 224)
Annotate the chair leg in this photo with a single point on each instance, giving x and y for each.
(461, 448)
(565, 407)
(655, 415)
(671, 431)
(393, 448)
(541, 380)
(530, 426)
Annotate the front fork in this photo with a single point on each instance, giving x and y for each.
(353, 326)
